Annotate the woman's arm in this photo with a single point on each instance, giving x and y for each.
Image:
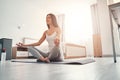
(58, 33)
(57, 39)
(34, 44)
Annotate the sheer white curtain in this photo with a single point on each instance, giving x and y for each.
(61, 23)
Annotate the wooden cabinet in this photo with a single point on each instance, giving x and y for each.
(19, 52)
(97, 45)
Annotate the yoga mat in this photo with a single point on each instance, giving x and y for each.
(79, 62)
(72, 62)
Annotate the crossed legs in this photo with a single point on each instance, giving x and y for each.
(53, 55)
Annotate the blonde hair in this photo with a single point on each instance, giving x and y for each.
(54, 20)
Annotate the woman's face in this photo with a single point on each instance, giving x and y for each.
(48, 20)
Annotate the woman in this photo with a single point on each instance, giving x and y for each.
(52, 35)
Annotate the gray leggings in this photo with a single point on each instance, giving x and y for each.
(53, 55)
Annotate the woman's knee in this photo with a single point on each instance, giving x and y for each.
(34, 52)
(30, 48)
(55, 53)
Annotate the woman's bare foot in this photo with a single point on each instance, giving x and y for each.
(44, 59)
(47, 60)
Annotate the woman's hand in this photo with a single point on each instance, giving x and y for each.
(57, 42)
(20, 44)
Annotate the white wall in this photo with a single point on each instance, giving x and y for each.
(30, 16)
(115, 1)
(23, 13)
(112, 1)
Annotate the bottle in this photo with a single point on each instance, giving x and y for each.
(3, 55)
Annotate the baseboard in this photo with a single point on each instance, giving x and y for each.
(110, 56)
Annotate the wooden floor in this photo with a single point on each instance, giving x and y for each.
(102, 69)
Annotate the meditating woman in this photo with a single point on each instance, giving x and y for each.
(52, 35)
